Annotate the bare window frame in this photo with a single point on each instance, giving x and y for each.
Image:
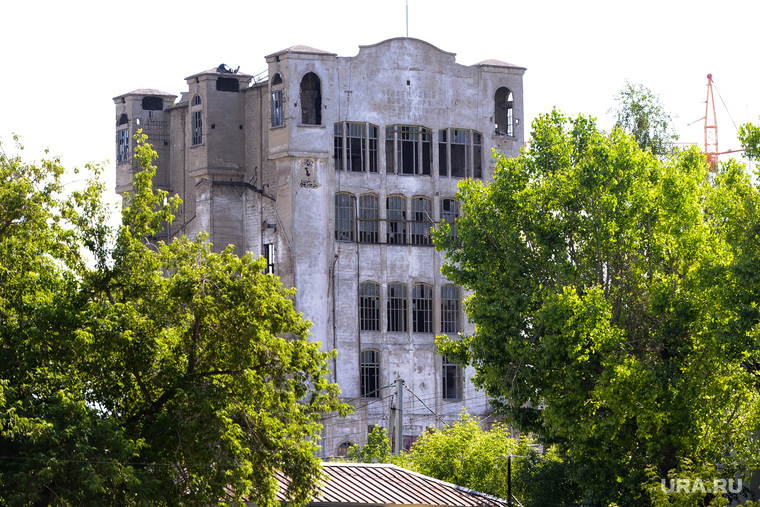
(345, 216)
(395, 206)
(369, 218)
(422, 221)
(451, 380)
(450, 309)
(369, 306)
(422, 308)
(397, 311)
(369, 384)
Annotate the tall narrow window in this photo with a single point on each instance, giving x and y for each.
(451, 380)
(370, 373)
(422, 308)
(460, 152)
(397, 307)
(369, 306)
(477, 155)
(450, 309)
(311, 100)
(197, 123)
(396, 208)
(408, 149)
(449, 214)
(278, 111)
(503, 112)
(123, 146)
(344, 217)
(372, 149)
(338, 146)
(355, 147)
(197, 100)
(369, 224)
(269, 257)
(422, 221)
(443, 157)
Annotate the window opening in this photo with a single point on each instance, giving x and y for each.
(123, 120)
(449, 214)
(477, 155)
(277, 79)
(460, 152)
(422, 221)
(269, 257)
(152, 104)
(370, 373)
(344, 217)
(197, 124)
(503, 112)
(355, 146)
(408, 149)
(343, 449)
(396, 206)
(338, 146)
(227, 84)
(278, 111)
(397, 307)
(443, 158)
(311, 100)
(123, 146)
(452, 385)
(450, 309)
(369, 223)
(422, 308)
(197, 100)
(369, 306)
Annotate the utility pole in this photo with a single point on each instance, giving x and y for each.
(399, 425)
(509, 481)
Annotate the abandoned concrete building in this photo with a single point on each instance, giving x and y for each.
(335, 169)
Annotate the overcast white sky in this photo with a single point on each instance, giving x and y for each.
(63, 62)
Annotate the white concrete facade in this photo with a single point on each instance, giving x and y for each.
(339, 167)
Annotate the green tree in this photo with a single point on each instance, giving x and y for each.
(141, 374)
(640, 113)
(615, 302)
(376, 450)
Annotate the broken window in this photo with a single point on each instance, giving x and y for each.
(396, 207)
(278, 111)
(369, 306)
(123, 146)
(197, 126)
(503, 112)
(397, 307)
(123, 120)
(369, 223)
(343, 449)
(460, 152)
(449, 214)
(152, 104)
(370, 373)
(464, 150)
(227, 84)
(344, 216)
(422, 308)
(422, 221)
(408, 149)
(277, 79)
(443, 157)
(311, 100)
(355, 147)
(451, 380)
(269, 257)
(477, 155)
(450, 309)
(197, 100)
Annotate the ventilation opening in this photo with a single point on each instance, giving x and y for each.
(152, 104)
(227, 84)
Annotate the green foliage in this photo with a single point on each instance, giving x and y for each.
(640, 114)
(749, 136)
(141, 374)
(376, 450)
(615, 297)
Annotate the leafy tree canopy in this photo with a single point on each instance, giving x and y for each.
(134, 373)
(640, 113)
(615, 297)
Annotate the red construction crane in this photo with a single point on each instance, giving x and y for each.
(711, 129)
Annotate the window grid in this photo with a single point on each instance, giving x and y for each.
(443, 158)
(344, 217)
(338, 146)
(422, 308)
(278, 111)
(355, 143)
(370, 373)
(408, 149)
(343, 449)
(397, 307)
(460, 152)
(123, 143)
(422, 215)
(369, 306)
(450, 307)
(396, 206)
(449, 214)
(369, 224)
(451, 380)
(197, 122)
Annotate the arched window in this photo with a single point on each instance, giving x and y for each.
(397, 307)
(422, 308)
(369, 306)
(370, 373)
(197, 100)
(369, 223)
(344, 216)
(152, 104)
(449, 214)
(123, 120)
(311, 100)
(450, 309)
(422, 221)
(503, 112)
(396, 209)
(277, 79)
(343, 449)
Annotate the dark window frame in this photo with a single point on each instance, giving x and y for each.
(397, 308)
(422, 308)
(369, 373)
(345, 216)
(369, 306)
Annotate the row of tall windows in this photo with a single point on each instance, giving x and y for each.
(403, 225)
(369, 374)
(401, 303)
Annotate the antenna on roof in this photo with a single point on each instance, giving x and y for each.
(407, 18)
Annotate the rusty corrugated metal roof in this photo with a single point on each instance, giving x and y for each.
(384, 484)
